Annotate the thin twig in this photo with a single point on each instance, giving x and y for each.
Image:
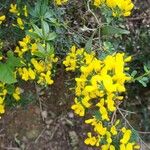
(54, 131)
(127, 111)
(89, 10)
(113, 117)
(40, 103)
(40, 135)
(132, 128)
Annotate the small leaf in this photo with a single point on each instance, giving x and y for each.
(134, 136)
(143, 83)
(41, 48)
(48, 15)
(146, 69)
(13, 61)
(88, 45)
(39, 54)
(50, 49)
(110, 31)
(133, 73)
(38, 30)
(45, 28)
(145, 79)
(51, 36)
(10, 88)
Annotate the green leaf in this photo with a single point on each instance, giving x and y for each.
(10, 88)
(44, 7)
(45, 28)
(39, 54)
(50, 49)
(145, 79)
(37, 30)
(133, 73)
(88, 45)
(143, 83)
(110, 31)
(108, 46)
(146, 69)
(51, 36)
(48, 15)
(32, 34)
(41, 48)
(13, 61)
(7, 74)
(134, 136)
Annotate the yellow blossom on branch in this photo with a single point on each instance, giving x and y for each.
(60, 2)
(2, 18)
(98, 89)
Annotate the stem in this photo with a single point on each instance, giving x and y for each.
(38, 98)
(88, 6)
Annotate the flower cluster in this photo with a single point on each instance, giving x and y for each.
(73, 59)
(98, 90)
(118, 7)
(34, 68)
(3, 94)
(19, 13)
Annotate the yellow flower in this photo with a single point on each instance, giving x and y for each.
(20, 23)
(2, 18)
(18, 50)
(122, 147)
(91, 140)
(97, 3)
(39, 66)
(125, 7)
(113, 130)
(78, 108)
(25, 10)
(105, 147)
(85, 101)
(31, 73)
(112, 147)
(17, 93)
(111, 103)
(13, 8)
(34, 48)
(23, 72)
(126, 137)
(100, 129)
(60, 2)
(2, 109)
(137, 147)
(45, 78)
(1, 100)
(128, 59)
(108, 137)
(108, 84)
(111, 3)
(129, 146)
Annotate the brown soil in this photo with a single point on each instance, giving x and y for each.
(24, 128)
